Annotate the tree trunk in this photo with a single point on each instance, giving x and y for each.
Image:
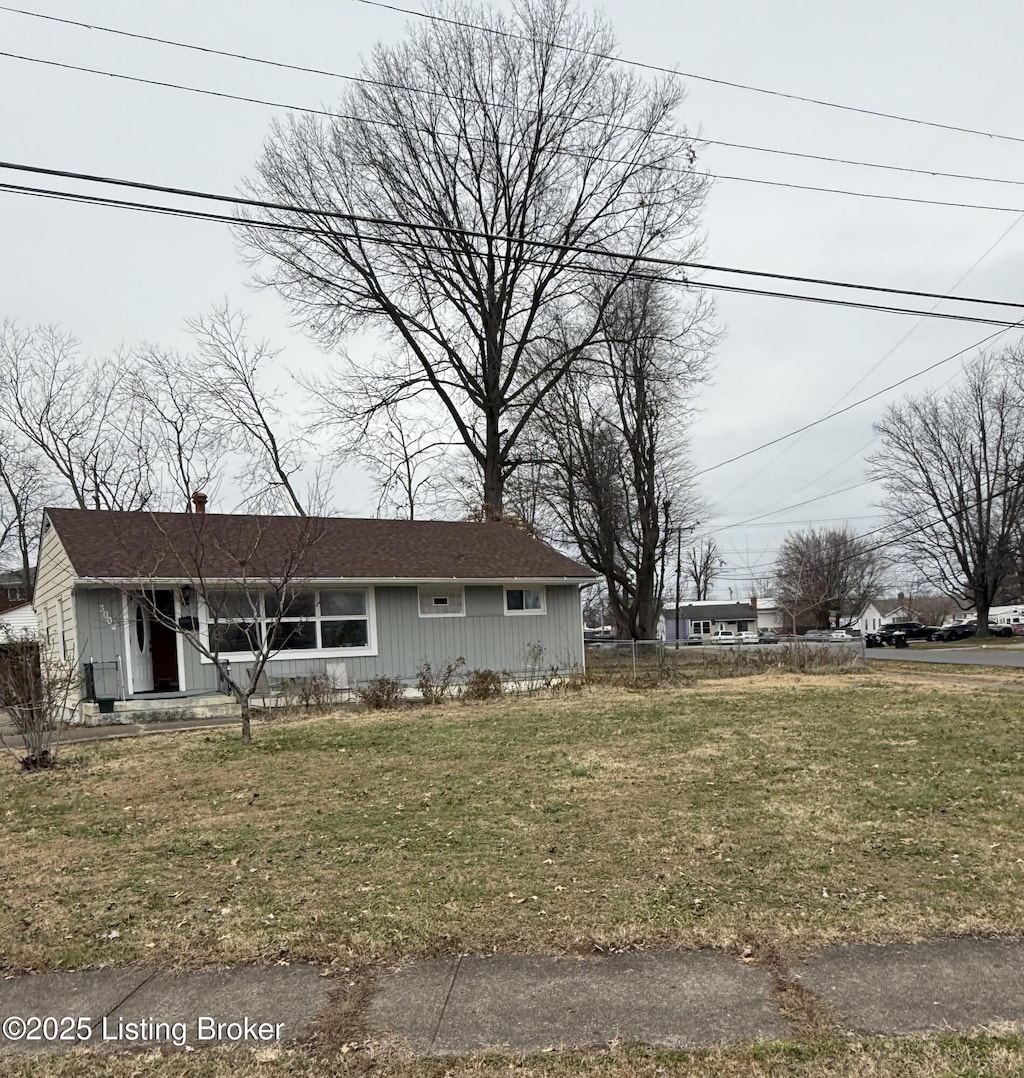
(246, 720)
(981, 608)
(494, 481)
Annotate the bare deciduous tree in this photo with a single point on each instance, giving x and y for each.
(226, 372)
(819, 572)
(614, 435)
(462, 201)
(24, 491)
(78, 416)
(184, 434)
(953, 471)
(704, 564)
(248, 573)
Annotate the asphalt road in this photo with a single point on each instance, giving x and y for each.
(979, 655)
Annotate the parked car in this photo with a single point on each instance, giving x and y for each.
(816, 634)
(598, 636)
(768, 637)
(748, 638)
(912, 630)
(723, 636)
(963, 629)
(839, 634)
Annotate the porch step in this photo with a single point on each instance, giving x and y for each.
(179, 709)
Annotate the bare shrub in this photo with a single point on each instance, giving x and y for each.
(483, 685)
(381, 693)
(436, 685)
(36, 689)
(317, 691)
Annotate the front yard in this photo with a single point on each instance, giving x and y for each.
(776, 810)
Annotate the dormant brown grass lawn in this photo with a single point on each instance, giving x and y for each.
(778, 810)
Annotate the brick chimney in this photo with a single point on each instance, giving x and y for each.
(753, 602)
(199, 501)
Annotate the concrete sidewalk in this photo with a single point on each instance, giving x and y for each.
(525, 1004)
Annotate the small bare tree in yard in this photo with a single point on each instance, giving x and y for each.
(247, 574)
(471, 188)
(953, 471)
(36, 690)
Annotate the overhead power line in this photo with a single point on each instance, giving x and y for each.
(657, 262)
(431, 17)
(730, 178)
(857, 403)
(266, 61)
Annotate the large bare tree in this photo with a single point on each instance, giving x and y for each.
(24, 491)
(953, 471)
(826, 573)
(612, 440)
(463, 199)
(77, 415)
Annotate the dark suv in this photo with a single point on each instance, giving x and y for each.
(912, 630)
(964, 629)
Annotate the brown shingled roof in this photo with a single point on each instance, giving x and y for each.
(109, 545)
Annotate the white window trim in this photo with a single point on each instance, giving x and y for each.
(301, 653)
(427, 589)
(524, 587)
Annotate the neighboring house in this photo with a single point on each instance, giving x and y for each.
(12, 590)
(371, 597)
(770, 616)
(704, 617)
(18, 621)
(880, 612)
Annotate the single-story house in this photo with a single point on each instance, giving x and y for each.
(880, 612)
(139, 596)
(704, 617)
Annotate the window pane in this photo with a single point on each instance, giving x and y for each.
(343, 603)
(523, 599)
(297, 604)
(235, 605)
(234, 636)
(344, 634)
(293, 634)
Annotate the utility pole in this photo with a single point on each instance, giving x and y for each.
(679, 573)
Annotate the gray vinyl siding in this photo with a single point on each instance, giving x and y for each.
(99, 619)
(486, 638)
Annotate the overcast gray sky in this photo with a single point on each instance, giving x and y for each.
(113, 277)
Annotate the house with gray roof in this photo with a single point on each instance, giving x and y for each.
(139, 597)
(702, 618)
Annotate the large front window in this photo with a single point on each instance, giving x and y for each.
(304, 619)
